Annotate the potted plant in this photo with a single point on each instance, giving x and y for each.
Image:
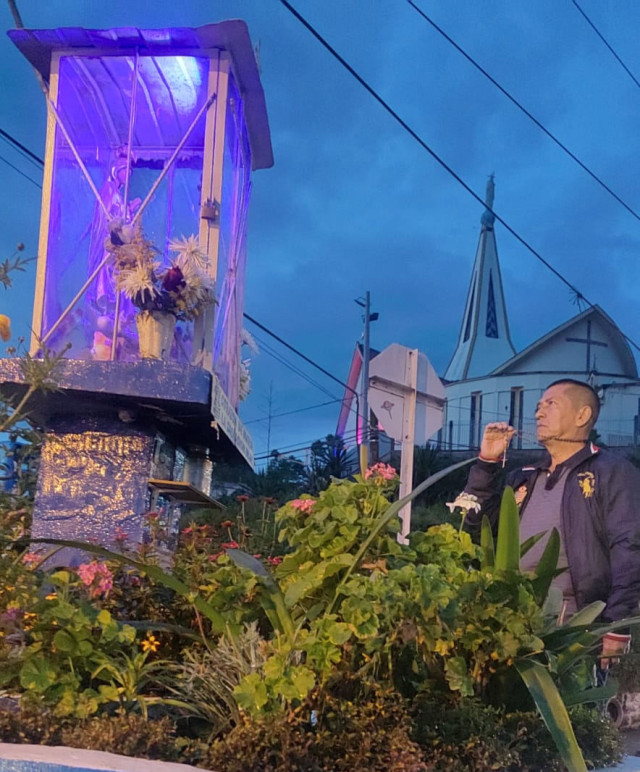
(162, 294)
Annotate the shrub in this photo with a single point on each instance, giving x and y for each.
(129, 735)
(326, 733)
(30, 725)
(471, 736)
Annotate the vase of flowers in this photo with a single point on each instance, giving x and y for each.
(163, 294)
(155, 334)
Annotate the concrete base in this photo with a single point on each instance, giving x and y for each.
(42, 758)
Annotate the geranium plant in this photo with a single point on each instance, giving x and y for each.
(183, 288)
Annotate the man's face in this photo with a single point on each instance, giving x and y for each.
(556, 414)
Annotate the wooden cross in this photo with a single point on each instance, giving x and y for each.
(590, 342)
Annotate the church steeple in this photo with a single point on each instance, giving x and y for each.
(484, 341)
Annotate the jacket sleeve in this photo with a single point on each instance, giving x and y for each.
(486, 482)
(621, 510)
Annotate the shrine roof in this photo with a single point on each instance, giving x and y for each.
(231, 36)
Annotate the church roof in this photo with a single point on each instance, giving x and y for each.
(484, 340)
(542, 355)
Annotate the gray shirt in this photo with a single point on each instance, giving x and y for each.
(542, 513)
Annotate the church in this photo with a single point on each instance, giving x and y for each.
(488, 380)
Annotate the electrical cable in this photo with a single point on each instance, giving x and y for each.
(440, 160)
(15, 168)
(291, 412)
(295, 449)
(523, 109)
(21, 148)
(296, 370)
(604, 40)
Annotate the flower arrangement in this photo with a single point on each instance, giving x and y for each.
(182, 289)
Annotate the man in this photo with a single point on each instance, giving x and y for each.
(592, 497)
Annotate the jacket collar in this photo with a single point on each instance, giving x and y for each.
(573, 461)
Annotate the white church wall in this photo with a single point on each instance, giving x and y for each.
(616, 426)
(561, 355)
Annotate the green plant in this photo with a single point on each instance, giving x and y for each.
(130, 735)
(60, 649)
(326, 732)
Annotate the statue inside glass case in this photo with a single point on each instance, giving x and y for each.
(100, 308)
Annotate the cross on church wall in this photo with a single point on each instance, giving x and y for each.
(589, 341)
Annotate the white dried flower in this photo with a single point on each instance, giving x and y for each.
(464, 501)
(189, 252)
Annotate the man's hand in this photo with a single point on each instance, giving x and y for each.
(613, 646)
(495, 440)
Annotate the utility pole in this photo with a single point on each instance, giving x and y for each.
(366, 357)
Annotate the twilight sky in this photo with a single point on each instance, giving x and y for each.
(353, 203)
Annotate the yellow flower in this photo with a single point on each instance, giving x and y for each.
(150, 643)
(5, 327)
(51, 596)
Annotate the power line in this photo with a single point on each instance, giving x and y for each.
(438, 159)
(26, 176)
(296, 370)
(295, 449)
(292, 412)
(307, 359)
(604, 40)
(524, 110)
(21, 148)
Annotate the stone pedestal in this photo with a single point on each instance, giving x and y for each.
(114, 428)
(92, 483)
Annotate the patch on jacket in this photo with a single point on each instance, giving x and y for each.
(520, 494)
(587, 483)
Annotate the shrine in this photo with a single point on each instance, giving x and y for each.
(152, 136)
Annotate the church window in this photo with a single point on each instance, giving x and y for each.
(515, 414)
(467, 328)
(491, 328)
(475, 419)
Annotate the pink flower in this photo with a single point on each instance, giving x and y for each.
(87, 572)
(31, 558)
(243, 497)
(274, 561)
(384, 471)
(214, 558)
(230, 545)
(90, 572)
(303, 505)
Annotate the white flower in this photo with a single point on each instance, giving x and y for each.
(245, 379)
(248, 340)
(189, 252)
(136, 281)
(464, 501)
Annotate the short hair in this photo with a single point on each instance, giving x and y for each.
(588, 395)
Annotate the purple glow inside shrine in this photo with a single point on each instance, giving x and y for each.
(158, 130)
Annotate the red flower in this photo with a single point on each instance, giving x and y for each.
(243, 497)
(230, 545)
(274, 561)
(173, 279)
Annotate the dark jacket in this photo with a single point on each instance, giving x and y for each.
(599, 522)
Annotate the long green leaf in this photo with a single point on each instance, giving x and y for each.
(387, 517)
(248, 562)
(553, 711)
(587, 615)
(597, 694)
(527, 544)
(508, 544)
(487, 545)
(155, 572)
(546, 570)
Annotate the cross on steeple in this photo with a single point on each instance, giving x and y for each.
(589, 342)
